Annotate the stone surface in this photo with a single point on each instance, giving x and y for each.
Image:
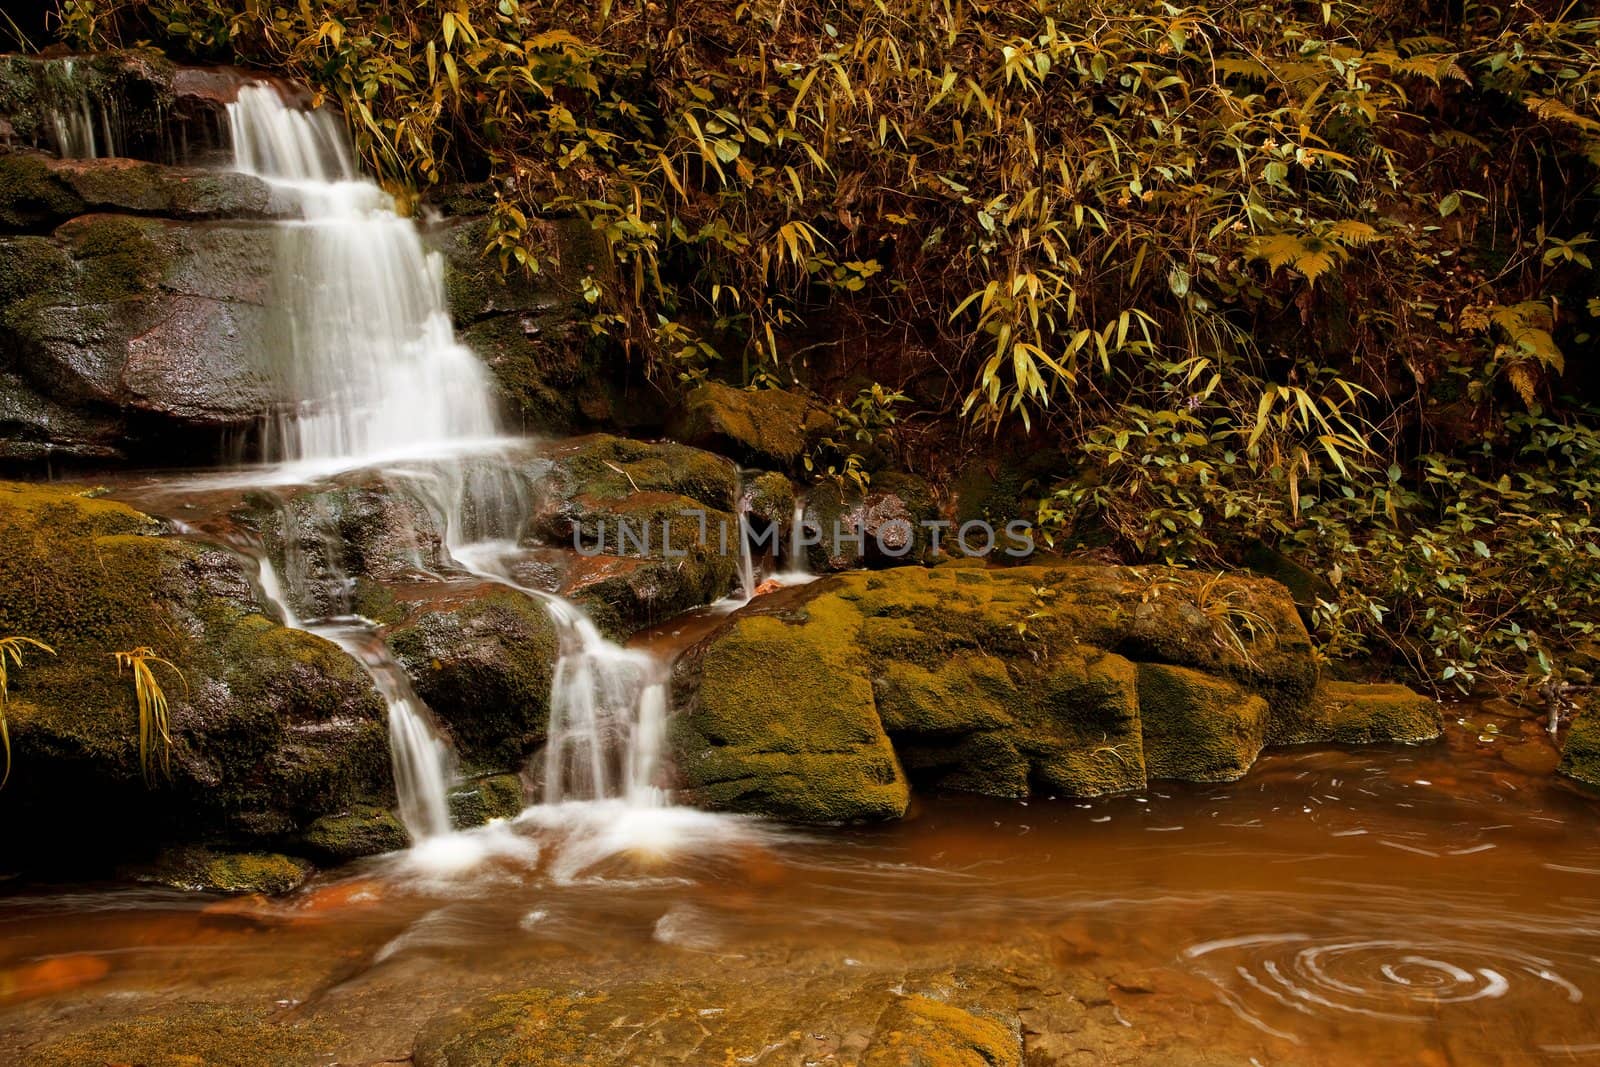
(482, 660)
(364, 830)
(271, 727)
(1066, 680)
(768, 427)
(884, 525)
(201, 870)
(1580, 752)
(533, 331)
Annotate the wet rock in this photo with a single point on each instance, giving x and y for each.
(1580, 752)
(121, 316)
(1069, 680)
(133, 104)
(39, 192)
(886, 525)
(499, 796)
(271, 727)
(222, 1035)
(769, 498)
(1355, 714)
(364, 830)
(764, 427)
(651, 524)
(555, 373)
(200, 870)
(482, 660)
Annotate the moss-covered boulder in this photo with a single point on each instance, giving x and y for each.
(481, 657)
(1580, 752)
(202, 870)
(364, 830)
(1355, 714)
(814, 751)
(762, 427)
(496, 796)
(271, 727)
(1066, 680)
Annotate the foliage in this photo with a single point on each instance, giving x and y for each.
(11, 647)
(155, 736)
(1308, 273)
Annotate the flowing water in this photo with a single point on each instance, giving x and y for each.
(1431, 905)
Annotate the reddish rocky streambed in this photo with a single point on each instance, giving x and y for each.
(1435, 905)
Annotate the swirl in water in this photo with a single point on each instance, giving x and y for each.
(1391, 979)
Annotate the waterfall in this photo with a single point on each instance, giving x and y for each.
(375, 377)
(367, 360)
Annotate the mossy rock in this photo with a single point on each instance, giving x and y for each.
(1065, 680)
(1580, 752)
(886, 525)
(769, 498)
(500, 796)
(364, 830)
(1356, 714)
(744, 743)
(483, 660)
(201, 870)
(271, 727)
(39, 192)
(768, 427)
(1198, 727)
(605, 466)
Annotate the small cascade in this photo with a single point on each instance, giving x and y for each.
(747, 566)
(422, 762)
(83, 127)
(794, 556)
(367, 358)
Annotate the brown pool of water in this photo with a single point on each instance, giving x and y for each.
(1435, 904)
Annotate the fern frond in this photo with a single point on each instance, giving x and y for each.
(12, 647)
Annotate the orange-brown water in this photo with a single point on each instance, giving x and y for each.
(1429, 905)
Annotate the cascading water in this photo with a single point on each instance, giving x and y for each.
(83, 128)
(375, 378)
(368, 360)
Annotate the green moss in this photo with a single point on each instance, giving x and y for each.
(32, 195)
(364, 830)
(201, 870)
(760, 425)
(1198, 727)
(499, 796)
(1086, 738)
(746, 744)
(919, 1031)
(117, 254)
(770, 498)
(1354, 714)
(1580, 752)
(602, 466)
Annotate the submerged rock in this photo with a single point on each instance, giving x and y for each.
(1063, 680)
(271, 727)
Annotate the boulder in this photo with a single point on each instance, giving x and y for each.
(886, 524)
(482, 658)
(534, 331)
(1580, 752)
(1062, 679)
(196, 869)
(762, 427)
(130, 318)
(39, 192)
(364, 830)
(271, 727)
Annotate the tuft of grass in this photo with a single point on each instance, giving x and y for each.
(12, 647)
(155, 735)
